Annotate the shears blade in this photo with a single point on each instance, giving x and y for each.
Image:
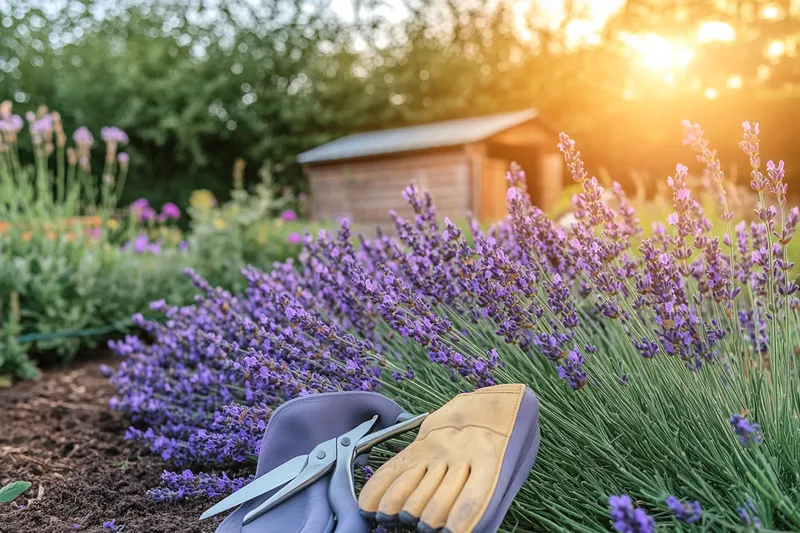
(320, 462)
(261, 485)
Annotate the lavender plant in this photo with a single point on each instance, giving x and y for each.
(665, 363)
(60, 182)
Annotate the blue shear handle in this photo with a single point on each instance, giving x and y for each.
(342, 493)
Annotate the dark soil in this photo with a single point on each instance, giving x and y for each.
(59, 434)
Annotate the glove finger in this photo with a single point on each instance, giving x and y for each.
(381, 480)
(436, 512)
(396, 495)
(418, 499)
(472, 502)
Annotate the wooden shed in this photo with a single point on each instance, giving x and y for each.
(462, 163)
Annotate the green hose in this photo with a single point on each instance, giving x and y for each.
(116, 327)
(90, 332)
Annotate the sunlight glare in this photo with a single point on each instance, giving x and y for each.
(771, 12)
(775, 49)
(582, 31)
(734, 82)
(657, 53)
(711, 93)
(716, 32)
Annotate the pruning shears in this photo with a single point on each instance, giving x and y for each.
(337, 454)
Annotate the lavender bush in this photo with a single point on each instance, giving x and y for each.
(665, 364)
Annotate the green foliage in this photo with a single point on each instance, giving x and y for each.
(11, 491)
(194, 93)
(248, 228)
(70, 286)
(68, 280)
(197, 84)
(665, 432)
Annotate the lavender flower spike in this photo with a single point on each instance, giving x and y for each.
(83, 137)
(628, 519)
(686, 512)
(749, 432)
(114, 135)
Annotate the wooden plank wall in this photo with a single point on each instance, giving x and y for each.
(551, 171)
(366, 190)
(493, 189)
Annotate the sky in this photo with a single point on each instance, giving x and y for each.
(597, 11)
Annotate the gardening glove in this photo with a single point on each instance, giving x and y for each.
(295, 428)
(467, 463)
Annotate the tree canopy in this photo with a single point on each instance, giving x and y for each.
(197, 83)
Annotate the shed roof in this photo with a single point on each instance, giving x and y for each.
(419, 137)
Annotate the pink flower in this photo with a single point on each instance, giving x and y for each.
(141, 244)
(170, 210)
(94, 233)
(294, 238)
(114, 134)
(289, 215)
(140, 204)
(83, 137)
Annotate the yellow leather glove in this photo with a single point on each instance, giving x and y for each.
(447, 476)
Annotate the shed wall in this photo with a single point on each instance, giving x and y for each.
(494, 188)
(366, 190)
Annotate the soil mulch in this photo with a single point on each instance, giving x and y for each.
(59, 434)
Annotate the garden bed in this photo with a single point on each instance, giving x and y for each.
(59, 434)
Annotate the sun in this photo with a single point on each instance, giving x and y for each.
(660, 54)
(657, 53)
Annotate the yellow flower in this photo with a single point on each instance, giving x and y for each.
(202, 199)
(262, 235)
(112, 224)
(219, 223)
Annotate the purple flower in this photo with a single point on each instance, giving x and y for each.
(747, 520)
(750, 146)
(628, 519)
(113, 134)
(123, 158)
(42, 125)
(188, 484)
(11, 124)
(367, 471)
(83, 137)
(288, 216)
(170, 210)
(111, 525)
(572, 370)
(687, 512)
(139, 205)
(749, 433)
(76, 526)
(42, 128)
(141, 243)
(294, 238)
